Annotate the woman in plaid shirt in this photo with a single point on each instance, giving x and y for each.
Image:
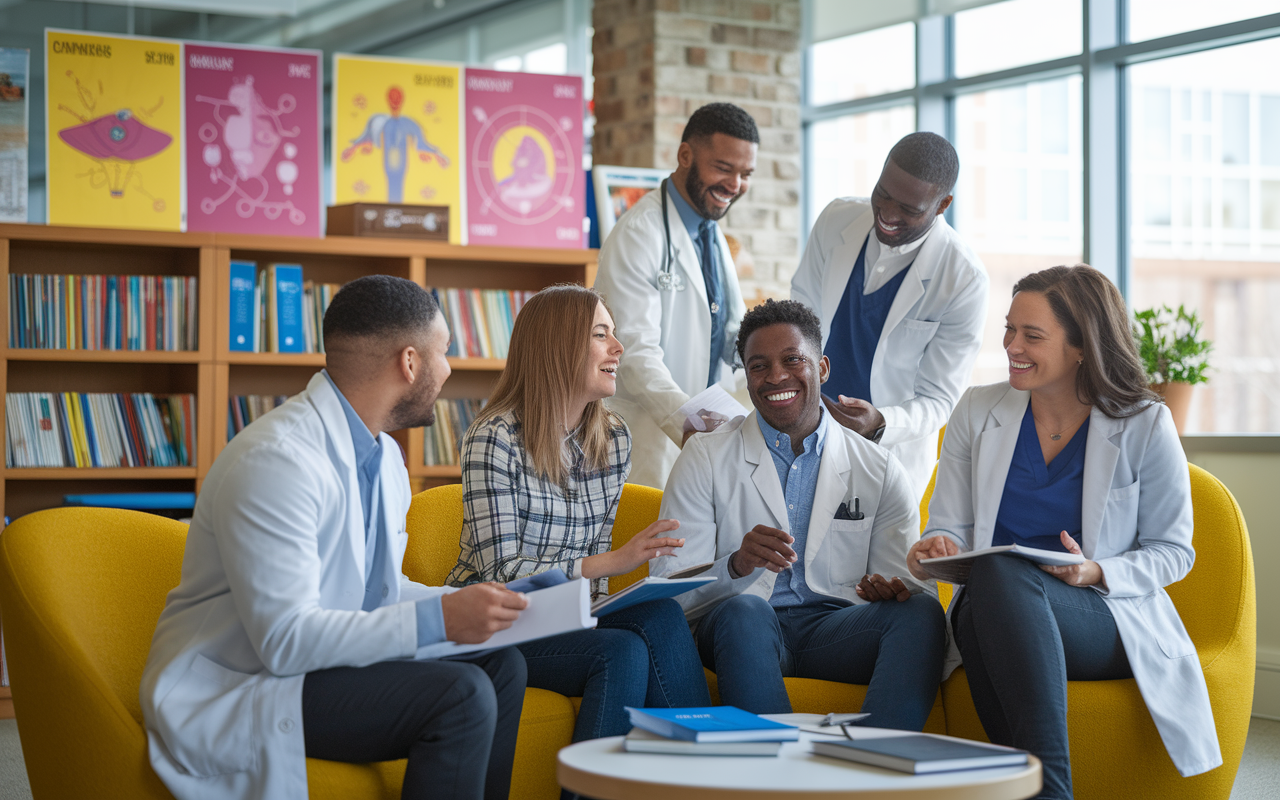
(543, 468)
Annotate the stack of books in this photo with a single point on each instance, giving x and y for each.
(274, 310)
(443, 440)
(71, 429)
(921, 753)
(714, 731)
(244, 409)
(480, 320)
(103, 312)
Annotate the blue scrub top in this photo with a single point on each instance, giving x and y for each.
(855, 332)
(1042, 500)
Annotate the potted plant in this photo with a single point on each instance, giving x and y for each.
(1175, 356)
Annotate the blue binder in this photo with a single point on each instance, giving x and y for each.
(243, 275)
(288, 301)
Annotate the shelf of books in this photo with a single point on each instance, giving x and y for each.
(134, 356)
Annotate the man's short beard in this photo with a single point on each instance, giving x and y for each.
(407, 413)
(696, 189)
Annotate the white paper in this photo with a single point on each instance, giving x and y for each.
(955, 569)
(711, 401)
(551, 611)
(812, 723)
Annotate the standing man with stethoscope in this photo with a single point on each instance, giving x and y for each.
(669, 278)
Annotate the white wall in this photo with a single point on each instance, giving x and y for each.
(1250, 468)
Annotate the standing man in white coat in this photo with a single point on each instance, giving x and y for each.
(807, 526)
(902, 301)
(292, 631)
(668, 275)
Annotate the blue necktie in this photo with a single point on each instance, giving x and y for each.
(711, 278)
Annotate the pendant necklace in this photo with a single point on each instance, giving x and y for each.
(1056, 436)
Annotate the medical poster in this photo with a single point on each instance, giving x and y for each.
(397, 134)
(525, 183)
(253, 140)
(113, 114)
(15, 66)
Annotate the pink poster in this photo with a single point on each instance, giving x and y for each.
(525, 183)
(253, 140)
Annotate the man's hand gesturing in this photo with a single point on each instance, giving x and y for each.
(474, 613)
(763, 547)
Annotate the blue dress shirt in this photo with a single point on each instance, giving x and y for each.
(703, 233)
(377, 540)
(855, 331)
(798, 475)
(1040, 501)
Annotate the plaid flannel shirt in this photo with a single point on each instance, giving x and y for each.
(516, 524)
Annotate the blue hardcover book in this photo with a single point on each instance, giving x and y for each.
(645, 590)
(141, 501)
(713, 724)
(288, 302)
(243, 275)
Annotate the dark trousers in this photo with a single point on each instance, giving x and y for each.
(456, 720)
(895, 648)
(641, 656)
(1023, 634)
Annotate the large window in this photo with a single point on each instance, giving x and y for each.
(1149, 148)
(1204, 215)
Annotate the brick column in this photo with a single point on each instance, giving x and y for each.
(656, 61)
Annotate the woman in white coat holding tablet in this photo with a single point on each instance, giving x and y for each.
(1075, 454)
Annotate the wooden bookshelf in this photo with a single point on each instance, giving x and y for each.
(213, 372)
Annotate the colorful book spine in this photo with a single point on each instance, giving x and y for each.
(72, 429)
(90, 312)
(286, 285)
(243, 410)
(243, 278)
(480, 320)
(442, 441)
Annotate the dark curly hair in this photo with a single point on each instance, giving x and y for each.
(723, 118)
(379, 306)
(780, 312)
(929, 157)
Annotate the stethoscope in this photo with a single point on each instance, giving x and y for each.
(668, 279)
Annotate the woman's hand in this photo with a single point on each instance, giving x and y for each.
(933, 547)
(648, 543)
(1086, 574)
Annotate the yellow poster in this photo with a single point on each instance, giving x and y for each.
(397, 134)
(114, 122)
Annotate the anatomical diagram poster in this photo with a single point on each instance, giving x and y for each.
(253, 140)
(113, 114)
(397, 134)
(525, 182)
(14, 124)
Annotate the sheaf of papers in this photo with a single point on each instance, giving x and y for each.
(955, 569)
(554, 610)
(712, 401)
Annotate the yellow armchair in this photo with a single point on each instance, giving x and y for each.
(1115, 748)
(80, 591)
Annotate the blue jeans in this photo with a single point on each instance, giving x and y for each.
(895, 648)
(641, 656)
(1022, 630)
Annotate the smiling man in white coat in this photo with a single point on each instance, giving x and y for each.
(670, 281)
(902, 301)
(806, 525)
(292, 632)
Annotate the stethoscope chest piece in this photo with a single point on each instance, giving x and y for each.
(670, 281)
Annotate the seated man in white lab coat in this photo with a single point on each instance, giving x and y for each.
(902, 301)
(807, 525)
(292, 633)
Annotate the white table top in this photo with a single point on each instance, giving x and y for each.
(601, 769)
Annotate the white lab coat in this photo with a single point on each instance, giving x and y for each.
(666, 333)
(1137, 525)
(273, 579)
(725, 483)
(931, 338)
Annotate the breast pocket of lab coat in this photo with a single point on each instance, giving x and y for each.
(207, 720)
(1122, 509)
(906, 343)
(849, 546)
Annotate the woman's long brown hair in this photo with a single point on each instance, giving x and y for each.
(546, 365)
(1091, 311)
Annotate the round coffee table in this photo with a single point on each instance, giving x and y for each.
(601, 769)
